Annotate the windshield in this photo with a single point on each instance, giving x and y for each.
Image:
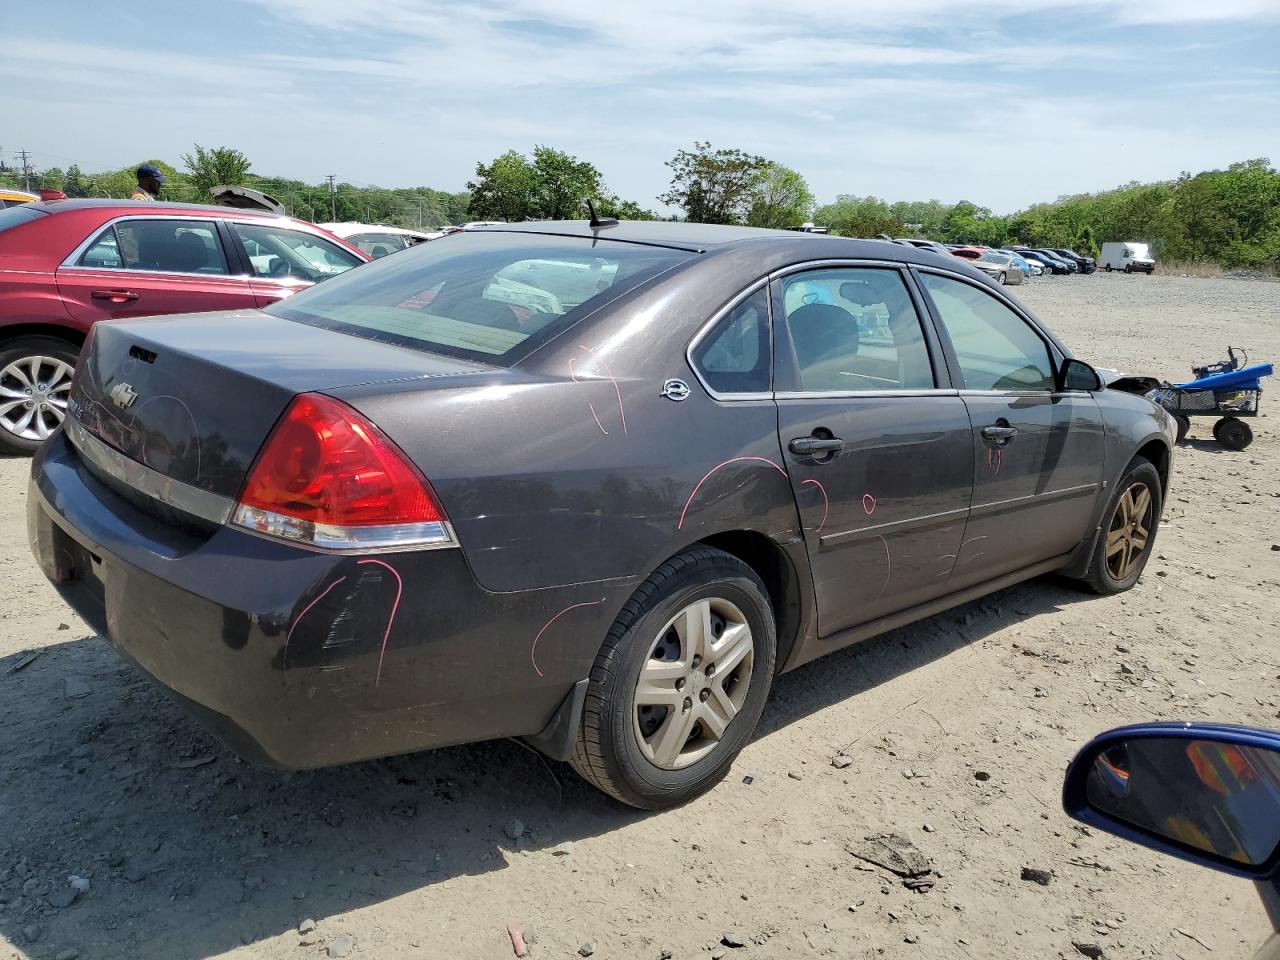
(480, 296)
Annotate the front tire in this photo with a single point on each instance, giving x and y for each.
(1129, 530)
(680, 682)
(1002, 278)
(35, 382)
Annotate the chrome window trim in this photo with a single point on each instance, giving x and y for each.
(870, 394)
(705, 331)
(70, 261)
(183, 496)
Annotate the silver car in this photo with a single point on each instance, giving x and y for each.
(999, 265)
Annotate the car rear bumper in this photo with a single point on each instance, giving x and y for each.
(302, 659)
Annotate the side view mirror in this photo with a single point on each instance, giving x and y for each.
(1205, 793)
(1078, 375)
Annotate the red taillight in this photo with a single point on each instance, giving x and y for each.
(328, 477)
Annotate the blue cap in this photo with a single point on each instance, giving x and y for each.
(151, 170)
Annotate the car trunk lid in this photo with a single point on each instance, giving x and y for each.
(194, 397)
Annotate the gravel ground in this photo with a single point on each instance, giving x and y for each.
(190, 853)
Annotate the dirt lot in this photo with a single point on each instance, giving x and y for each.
(192, 854)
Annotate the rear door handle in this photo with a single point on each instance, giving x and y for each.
(999, 436)
(115, 296)
(808, 446)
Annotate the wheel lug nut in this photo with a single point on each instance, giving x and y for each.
(680, 684)
(697, 660)
(704, 694)
(711, 670)
(688, 704)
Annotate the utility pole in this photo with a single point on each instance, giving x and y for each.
(26, 169)
(333, 197)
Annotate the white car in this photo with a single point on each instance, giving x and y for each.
(377, 240)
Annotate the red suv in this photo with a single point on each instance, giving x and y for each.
(66, 264)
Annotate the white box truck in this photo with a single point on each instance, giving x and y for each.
(1127, 256)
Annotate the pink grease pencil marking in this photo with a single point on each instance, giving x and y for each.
(533, 650)
(680, 525)
(590, 406)
(616, 389)
(826, 504)
(305, 611)
(391, 619)
(868, 504)
(888, 559)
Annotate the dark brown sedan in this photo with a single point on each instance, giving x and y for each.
(589, 485)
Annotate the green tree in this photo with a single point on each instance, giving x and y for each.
(503, 190)
(561, 183)
(211, 168)
(73, 182)
(852, 216)
(713, 186)
(781, 198)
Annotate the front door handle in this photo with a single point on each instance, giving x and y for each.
(115, 296)
(811, 446)
(999, 435)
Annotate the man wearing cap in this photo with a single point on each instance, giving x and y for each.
(150, 180)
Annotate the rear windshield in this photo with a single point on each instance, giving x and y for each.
(11, 217)
(487, 296)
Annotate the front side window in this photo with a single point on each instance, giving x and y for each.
(162, 246)
(279, 252)
(855, 329)
(996, 348)
(480, 296)
(735, 356)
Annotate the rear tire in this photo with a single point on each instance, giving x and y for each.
(1128, 530)
(1184, 426)
(38, 367)
(1232, 433)
(1107, 268)
(631, 744)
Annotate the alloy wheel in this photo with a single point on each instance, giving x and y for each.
(693, 683)
(33, 396)
(1129, 532)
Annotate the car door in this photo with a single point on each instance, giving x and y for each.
(1037, 450)
(281, 260)
(877, 444)
(143, 266)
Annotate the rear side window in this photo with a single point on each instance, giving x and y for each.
(735, 356)
(855, 329)
(480, 296)
(996, 348)
(163, 246)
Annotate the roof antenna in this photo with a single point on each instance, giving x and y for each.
(596, 221)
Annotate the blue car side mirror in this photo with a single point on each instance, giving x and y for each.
(1201, 792)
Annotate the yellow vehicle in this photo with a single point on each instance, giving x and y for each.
(10, 197)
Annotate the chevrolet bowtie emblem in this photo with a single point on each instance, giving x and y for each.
(123, 395)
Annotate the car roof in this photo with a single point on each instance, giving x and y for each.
(706, 237)
(155, 206)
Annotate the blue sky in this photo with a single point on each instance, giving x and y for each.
(1001, 103)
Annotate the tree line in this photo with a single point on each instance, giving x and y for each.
(1229, 217)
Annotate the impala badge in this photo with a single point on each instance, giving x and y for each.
(123, 395)
(676, 390)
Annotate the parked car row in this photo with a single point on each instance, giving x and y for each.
(1010, 264)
